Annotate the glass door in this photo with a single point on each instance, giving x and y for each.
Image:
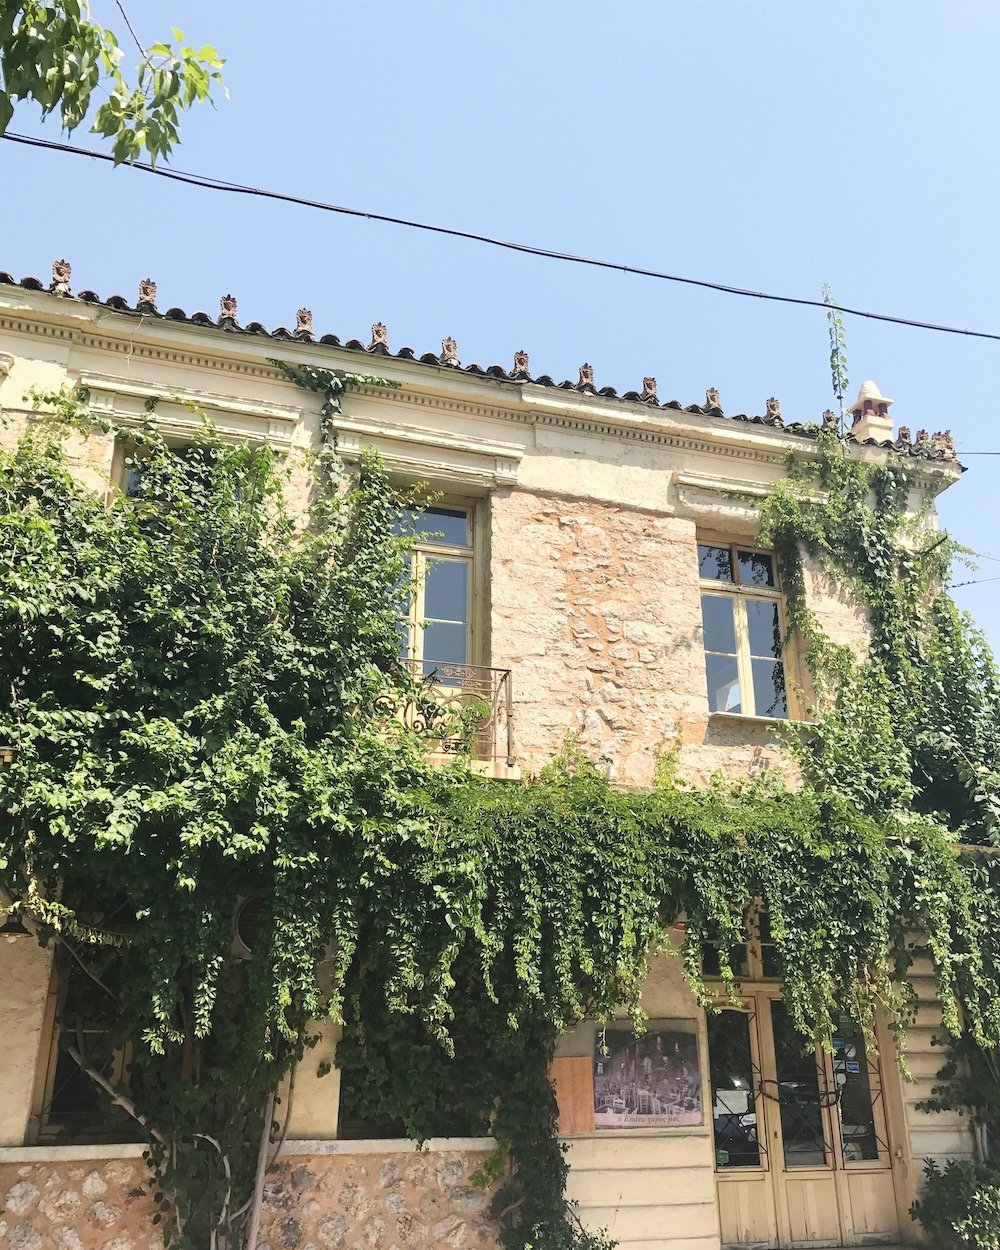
(802, 1152)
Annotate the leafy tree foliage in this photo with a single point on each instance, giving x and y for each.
(194, 691)
(57, 56)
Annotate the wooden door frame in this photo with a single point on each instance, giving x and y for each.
(754, 1000)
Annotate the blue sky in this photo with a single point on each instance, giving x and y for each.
(776, 146)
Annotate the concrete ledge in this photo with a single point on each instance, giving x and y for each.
(133, 1150)
(70, 1154)
(385, 1145)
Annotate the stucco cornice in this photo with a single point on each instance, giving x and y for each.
(96, 328)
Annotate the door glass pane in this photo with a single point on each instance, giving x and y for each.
(715, 563)
(446, 591)
(734, 1082)
(723, 683)
(769, 696)
(798, 1093)
(756, 569)
(444, 644)
(857, 1082)
(763, 627)
(720, 626)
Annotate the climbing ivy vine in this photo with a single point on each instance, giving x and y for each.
(192, 688)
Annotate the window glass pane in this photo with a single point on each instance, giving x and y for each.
(768, 955)
(711, 964)
(451, 523)
(763, 627)
(756, 569)
(722, 679)
(734, 1108)
(445, 643)
(715, 563)
(445, 526)
(720, 628)
(446, 590)
(769, 696)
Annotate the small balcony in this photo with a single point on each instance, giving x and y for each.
(468, 710)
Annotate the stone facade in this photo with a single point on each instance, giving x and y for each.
(587, 512)
(596, 610)
(408, 1200)
(100, 1204)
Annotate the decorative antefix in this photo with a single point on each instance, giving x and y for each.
(211, 734)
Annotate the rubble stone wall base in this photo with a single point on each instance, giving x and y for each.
(403, 1200)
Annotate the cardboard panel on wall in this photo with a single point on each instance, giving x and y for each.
(573, 1081)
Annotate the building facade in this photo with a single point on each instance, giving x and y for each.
(593, 574)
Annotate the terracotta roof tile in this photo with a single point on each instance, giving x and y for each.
(928, 450)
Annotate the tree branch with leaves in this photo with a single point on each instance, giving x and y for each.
(56, 56)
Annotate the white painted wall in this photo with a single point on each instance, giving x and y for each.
(652, 1189)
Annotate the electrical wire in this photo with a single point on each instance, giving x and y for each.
(527, 249)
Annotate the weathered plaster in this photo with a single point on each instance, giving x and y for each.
(24, 985)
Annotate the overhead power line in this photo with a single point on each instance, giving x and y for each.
(527, 249)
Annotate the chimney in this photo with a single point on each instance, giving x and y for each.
(870, 414)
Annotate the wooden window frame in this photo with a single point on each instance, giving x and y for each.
(425, 550)
(740, 594)
(41, 1129)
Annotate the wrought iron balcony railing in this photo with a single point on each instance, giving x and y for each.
(464, 709)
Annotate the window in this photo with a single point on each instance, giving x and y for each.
(135, 470)
(70, 1107)
(436, 628)
(742, 613)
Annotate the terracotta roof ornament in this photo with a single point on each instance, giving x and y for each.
(227, 308)
(649, 390)
(943, 440)
(904, 436)
(304, 324)
(774, 412)
(830, 421)
(61, 270)
(586, 375)
(922, 438)
(449, 353)
(380, 337)
(521, 364)
(147, 292)
(712, 399)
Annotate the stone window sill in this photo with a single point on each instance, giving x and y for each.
(748, 722)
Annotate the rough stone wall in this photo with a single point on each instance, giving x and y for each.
(99, 1204)
(411, 1201)
(399, 1201)
(597, 610)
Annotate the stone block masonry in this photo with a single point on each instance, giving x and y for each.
(395, 1200)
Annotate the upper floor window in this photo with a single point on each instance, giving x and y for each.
(134, 475)
(436, 630)
(742, 611)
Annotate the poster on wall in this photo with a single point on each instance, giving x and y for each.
(650, 1081)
